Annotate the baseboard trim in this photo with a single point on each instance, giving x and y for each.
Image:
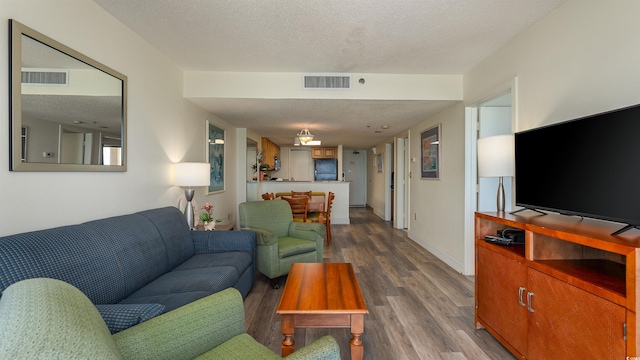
(340, 221)
(446, 258)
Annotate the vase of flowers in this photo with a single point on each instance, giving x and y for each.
(207, 217)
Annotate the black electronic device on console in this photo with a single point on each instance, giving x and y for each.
(515, 235)
(507, 237)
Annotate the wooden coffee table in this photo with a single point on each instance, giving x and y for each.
(322, 295)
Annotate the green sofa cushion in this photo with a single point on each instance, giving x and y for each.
(240, 347)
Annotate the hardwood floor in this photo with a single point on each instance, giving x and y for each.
(419, 308)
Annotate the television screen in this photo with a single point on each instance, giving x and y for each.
(588, 167)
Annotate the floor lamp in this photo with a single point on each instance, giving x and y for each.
(190, 174)
(496, 159)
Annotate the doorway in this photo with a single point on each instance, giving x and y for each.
(505, 97)
(355, 171)
(494, 118)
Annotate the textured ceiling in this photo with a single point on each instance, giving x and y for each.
(330, 36)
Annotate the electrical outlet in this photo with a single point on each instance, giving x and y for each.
(228, 216)
(415, 216)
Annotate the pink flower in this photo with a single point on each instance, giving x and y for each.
(207, 214)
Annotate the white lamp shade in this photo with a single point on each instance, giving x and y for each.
(191, 174)
(496, 156)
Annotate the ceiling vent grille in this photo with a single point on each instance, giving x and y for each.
(326, 82)
(53, 77)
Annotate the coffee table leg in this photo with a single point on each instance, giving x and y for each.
(357, 329)
(288, 345)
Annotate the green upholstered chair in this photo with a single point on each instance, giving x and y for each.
(281, 241)
(49, 319)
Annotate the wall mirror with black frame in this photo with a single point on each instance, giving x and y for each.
(68, 112)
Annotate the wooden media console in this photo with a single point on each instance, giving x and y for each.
(570, 292)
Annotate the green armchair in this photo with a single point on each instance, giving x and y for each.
(281, 241)
(49, 319)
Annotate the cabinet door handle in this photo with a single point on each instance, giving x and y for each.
(520, 292)
(530, 301)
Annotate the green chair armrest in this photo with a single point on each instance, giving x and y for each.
(263, 237)
(325, 348)
(50, 319)
(186, 332)
(308, 231)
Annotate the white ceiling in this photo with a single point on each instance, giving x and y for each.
(330, 36)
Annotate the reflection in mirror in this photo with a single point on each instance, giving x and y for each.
(68, 112)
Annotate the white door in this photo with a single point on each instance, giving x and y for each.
(71, 148)
(494, 118)
(88, 146)
(355, 171)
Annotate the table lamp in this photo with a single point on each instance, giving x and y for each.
(190, 174)
(496, 159)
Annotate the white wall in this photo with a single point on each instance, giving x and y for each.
(436, 208)
(581, 59)
(162, 127)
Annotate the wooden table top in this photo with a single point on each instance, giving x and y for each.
(322, 288)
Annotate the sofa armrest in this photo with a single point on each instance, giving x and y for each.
(263, 237)
(223, 241)
(325, 348)
(186, 332)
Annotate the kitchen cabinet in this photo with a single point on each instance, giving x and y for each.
(269, 151)
(568, 292)
(323, 152)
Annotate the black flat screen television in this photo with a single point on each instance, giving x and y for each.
(587, 167)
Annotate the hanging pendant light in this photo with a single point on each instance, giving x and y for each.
(305, 136)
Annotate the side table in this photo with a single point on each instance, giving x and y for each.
(219, 227)
(225, 227)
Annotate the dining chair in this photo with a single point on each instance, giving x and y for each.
(324, 217)
(268, 196)
(299, 207)
(301, 193)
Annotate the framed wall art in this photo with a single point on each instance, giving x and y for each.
(215, 157)
(379, 162)
(430, 153)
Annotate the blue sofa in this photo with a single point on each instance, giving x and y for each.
(133, 267)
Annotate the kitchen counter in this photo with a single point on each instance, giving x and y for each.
(340, 210)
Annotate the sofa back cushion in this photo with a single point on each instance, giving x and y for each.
(137, 247)
(75, 254)
(174, 233)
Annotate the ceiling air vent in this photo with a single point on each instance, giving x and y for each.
(54, 77)
(326, 82)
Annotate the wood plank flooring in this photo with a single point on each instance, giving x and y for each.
(419, 308)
